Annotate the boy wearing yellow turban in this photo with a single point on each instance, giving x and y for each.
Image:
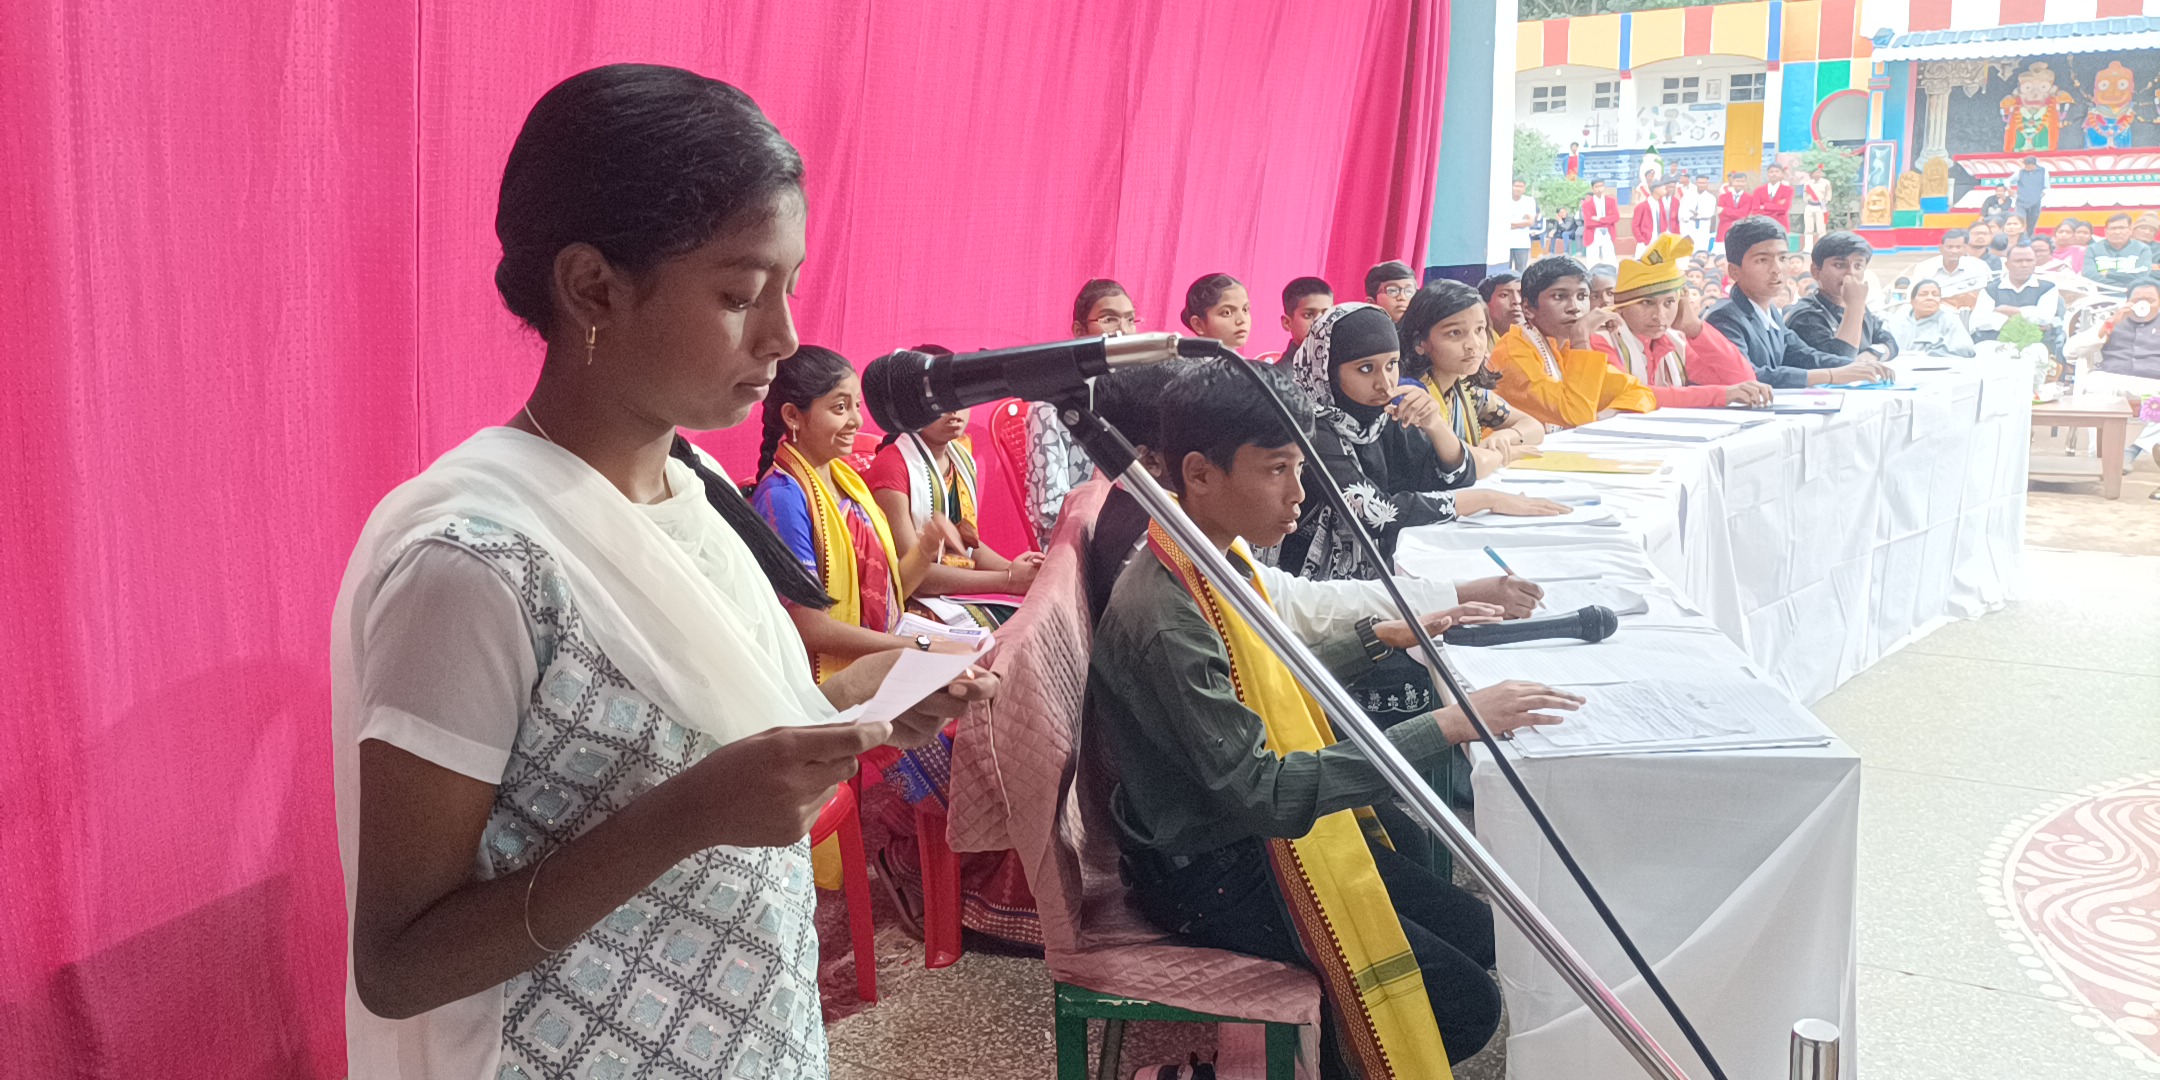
(1663, 342)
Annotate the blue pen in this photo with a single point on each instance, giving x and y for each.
(1500, 562)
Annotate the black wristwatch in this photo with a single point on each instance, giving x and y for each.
(1375, 649)
(922, 641)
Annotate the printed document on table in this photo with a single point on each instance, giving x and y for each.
(1685, 429)
(1668, 716)
(1630, 656)
(968, 633)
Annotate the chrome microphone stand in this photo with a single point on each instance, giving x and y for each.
(1114, 455)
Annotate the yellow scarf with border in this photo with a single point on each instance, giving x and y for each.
(1341, 908)
(837, 569)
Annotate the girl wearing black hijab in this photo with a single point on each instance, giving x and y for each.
(1388, 445)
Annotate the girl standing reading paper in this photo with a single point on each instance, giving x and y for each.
(577, 743)
(1550, 367)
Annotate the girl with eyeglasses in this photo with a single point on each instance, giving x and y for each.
(1056, 464)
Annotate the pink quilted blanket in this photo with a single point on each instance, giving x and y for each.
(1022, 780)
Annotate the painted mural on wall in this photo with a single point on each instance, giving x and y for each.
(2060, 103)
(1682, 125)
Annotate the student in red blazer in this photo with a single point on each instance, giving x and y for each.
(1654, 214)
(1733, 203)
(1600, 215)
(1773, 200)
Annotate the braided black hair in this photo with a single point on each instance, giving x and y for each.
(801, 379)
(789, 579)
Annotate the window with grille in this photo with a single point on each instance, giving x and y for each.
(1683, 90)
(1749, 87)
(1545, 99)
(1605, 95)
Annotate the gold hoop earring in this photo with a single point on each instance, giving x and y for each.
(592, 338)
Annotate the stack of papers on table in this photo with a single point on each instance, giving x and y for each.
(1558, 489)
(1562, 597)
(1806, 402)
(1652, 716)
(1577, 461)
(1695, 428)
(1580, 515)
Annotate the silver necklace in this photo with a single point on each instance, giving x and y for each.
(527, 410)
(667, 485)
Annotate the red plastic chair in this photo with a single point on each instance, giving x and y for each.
(937, 862)
(940, 885)
(1009, 435)
(843, 816)
(866, 448)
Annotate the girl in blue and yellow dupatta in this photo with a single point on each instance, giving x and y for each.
(825, 512)
(820, 506)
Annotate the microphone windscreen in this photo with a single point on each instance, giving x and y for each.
(1599, 622)
(892, 391)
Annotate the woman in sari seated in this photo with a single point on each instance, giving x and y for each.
(820, 506)
(1929, 328)
(926, 476)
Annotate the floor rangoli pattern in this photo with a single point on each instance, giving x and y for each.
(2074, 888)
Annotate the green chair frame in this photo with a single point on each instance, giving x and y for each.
(1076, 1005)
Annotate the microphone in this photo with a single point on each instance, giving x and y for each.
(907, 390)
(1593, 623)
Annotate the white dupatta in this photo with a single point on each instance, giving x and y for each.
(926, 485)
(1671, 368)
(691, 621)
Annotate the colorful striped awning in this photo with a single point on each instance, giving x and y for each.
(2022, 39)
(1897, 17)
(1770, 30)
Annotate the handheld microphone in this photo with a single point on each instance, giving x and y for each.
(1593, 623)
(908, 390)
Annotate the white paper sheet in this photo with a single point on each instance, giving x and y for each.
(1629, 656)
(1566, 596)
(914, 676)
(1678, 429)
(912, 624)
(1580, 515)
(1665, 716)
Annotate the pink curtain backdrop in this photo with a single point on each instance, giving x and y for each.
(251, 291)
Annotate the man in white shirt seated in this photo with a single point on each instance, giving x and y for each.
(1961, 275)
(2020, 292)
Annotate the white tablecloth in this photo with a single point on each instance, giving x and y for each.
(1820, 544)
(1812, 546)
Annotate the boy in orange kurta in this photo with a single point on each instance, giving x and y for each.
(1550, 368)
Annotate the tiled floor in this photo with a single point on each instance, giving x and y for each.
(1965, 736)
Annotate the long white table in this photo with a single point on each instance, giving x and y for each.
(1811, 547)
